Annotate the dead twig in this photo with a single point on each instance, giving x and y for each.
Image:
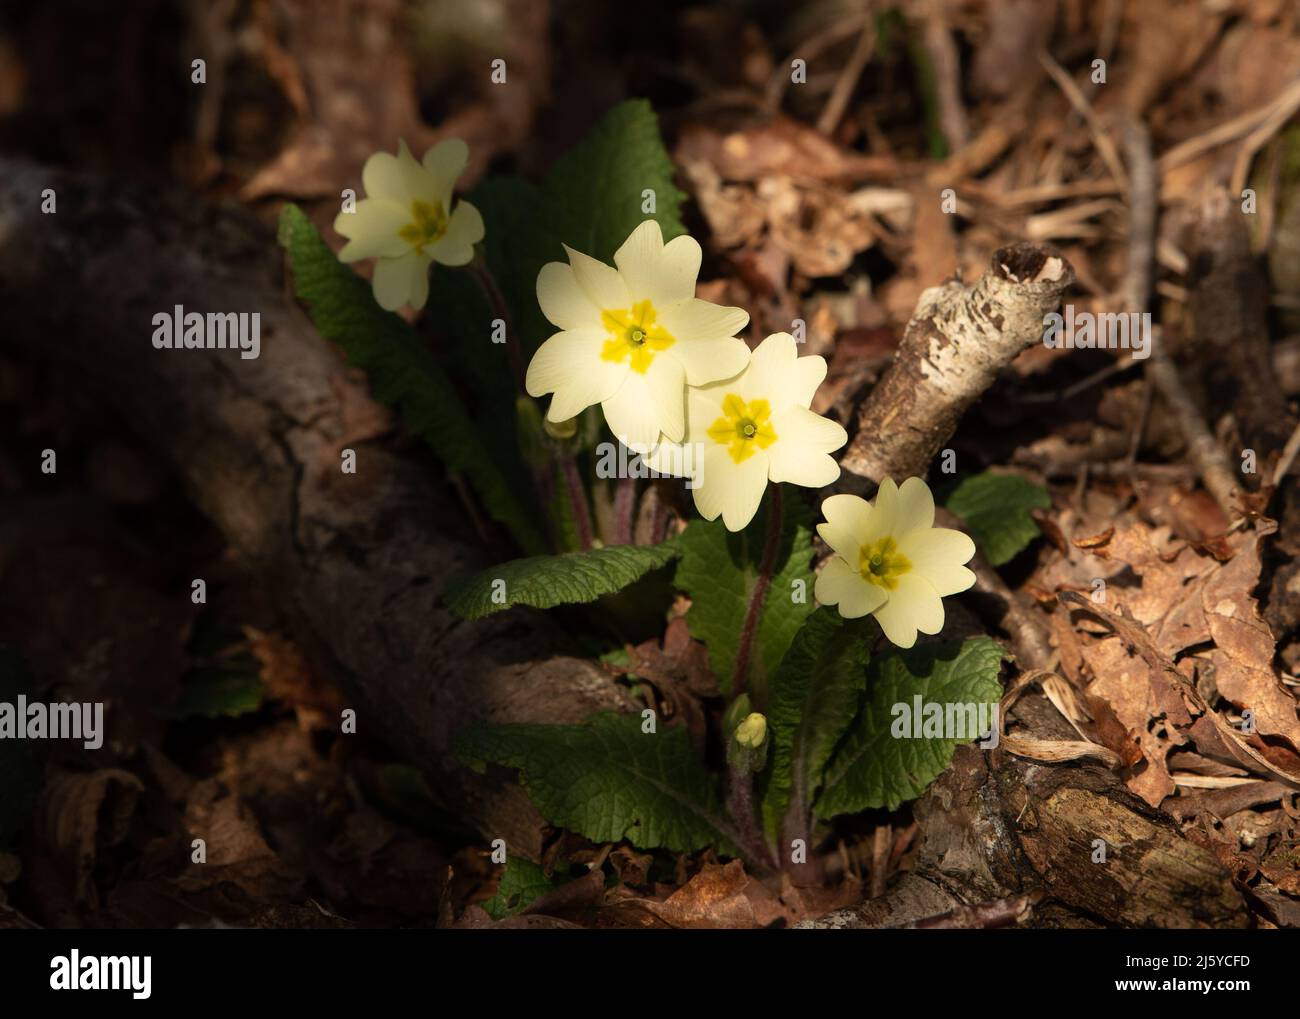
(1289, 452)
(1279, 112)
(947, 77)
(833, 112)
(1229, 130)
(1100, 138)
(1203, 449)
(1211, 461)
(958, 340)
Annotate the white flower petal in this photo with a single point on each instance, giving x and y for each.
(911, 606)
(847, 524)
(666, 381)
(601, 283)
(399, 281)
(662, 273)
(804, 441)
(373, 230)
(676, 459)
(708, 361)
(915, 506)
(804, 377)
(563, 302)
(681, 259)
(464, 230)
(632, 413)
(778, 369)
(398, 178)
(841, 585)
(382, 177)
(732, 490)
(808, 467)
(884, 513)
(773, 357)
(939, 555)
(570, 366)
(693, 319)
(444, 163)
(703, 407)
(898, 626)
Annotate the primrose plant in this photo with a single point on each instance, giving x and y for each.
(804, 698)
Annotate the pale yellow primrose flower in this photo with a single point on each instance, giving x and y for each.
(752, 428)
(407, 221)
(633, 337)
(890, 560)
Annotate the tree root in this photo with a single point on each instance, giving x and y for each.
(356, 561)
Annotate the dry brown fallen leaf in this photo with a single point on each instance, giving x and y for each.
(79, 814)
(287, 676)
(1187, 598)
(778, 147)
(1213, 735)
(1146, 705)
(237, 853)
(1244, 645)
(725, 896)
(349, 70)
(715, 897)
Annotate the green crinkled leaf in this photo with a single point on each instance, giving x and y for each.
(22, 767)
(719, 570)
(593, 195)
(871, 768)
(515, 245)
(517, 242)
(403, 373)
(607, 780)
(545, 581)
(522, 882)
(813, 699)
(591, 200)
(996, 510)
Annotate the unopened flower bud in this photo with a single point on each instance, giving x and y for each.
(752, 731)
(748, 747)
(561, 429)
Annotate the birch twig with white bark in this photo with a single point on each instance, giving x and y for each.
(957, 342)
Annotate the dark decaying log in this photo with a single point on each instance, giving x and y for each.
(995, 825)
(356, 561)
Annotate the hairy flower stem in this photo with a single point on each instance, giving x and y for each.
(514, 352)
(755, 611)
(740, 805)
(624, 507)
(577, 499)
(659, 523)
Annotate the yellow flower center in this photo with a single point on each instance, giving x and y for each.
(633, 336)
(428, 224)
(881, 563)
(743, 426)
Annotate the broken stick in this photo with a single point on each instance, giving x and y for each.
(957, 342)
